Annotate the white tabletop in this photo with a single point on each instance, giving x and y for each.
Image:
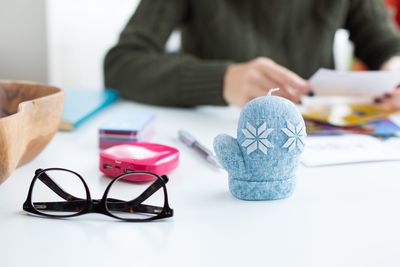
(338, 216)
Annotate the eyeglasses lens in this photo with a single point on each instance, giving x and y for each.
(136, 200)
(59, 193)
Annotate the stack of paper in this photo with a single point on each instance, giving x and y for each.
(346, 149)
(126, 128)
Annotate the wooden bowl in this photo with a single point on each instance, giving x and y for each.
(29, 117)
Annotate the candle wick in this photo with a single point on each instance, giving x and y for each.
(272, 90)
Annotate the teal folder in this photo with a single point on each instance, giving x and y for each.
(81, 105)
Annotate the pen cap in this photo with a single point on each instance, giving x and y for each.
(263, 159)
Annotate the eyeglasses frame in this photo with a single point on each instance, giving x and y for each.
(100, 205)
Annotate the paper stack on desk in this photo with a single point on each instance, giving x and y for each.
(126, 128)
(378, 128)
(346, 149)
(334, 119)
(354, 83)
(356, 115)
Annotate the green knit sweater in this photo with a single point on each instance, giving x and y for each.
(297, 34)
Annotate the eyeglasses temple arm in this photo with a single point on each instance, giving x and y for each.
(135, 204)
(112, 204)
(149, 191)
(129, 208)
(54, 186)
(75, 205)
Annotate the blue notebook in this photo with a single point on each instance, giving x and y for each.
(81, 105)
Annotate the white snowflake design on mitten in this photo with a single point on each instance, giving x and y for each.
(256, 139)
(296, 136)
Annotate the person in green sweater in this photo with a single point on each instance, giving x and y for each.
(233, 51)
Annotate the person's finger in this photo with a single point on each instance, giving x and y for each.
(293, 80)
(395, 102)
(285, 76)
(393, 64)
(260, 85)
(260, 81)
(287, 93)
(388, 95)
(389, 100)
(294, 94)
(377, 100)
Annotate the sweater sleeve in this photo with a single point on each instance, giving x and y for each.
(141, 70)
(373, 32)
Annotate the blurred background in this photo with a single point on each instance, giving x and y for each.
(63, 42)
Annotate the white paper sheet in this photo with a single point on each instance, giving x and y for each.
(354, 83)
(346, 149)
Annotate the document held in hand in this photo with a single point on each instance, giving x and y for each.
(354, 83)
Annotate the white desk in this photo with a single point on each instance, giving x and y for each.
(337, 216)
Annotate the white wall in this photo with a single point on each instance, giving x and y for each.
(79, 34)
(23, 40)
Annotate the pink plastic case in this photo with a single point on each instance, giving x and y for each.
(150, 157)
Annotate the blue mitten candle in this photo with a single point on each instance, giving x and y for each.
(262, 161)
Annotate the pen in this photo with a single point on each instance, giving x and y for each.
(204, 152)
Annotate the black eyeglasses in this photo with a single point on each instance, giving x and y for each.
(133, 202)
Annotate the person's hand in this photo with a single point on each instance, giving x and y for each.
(245, 81)
(391, 100)
(393, 64)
